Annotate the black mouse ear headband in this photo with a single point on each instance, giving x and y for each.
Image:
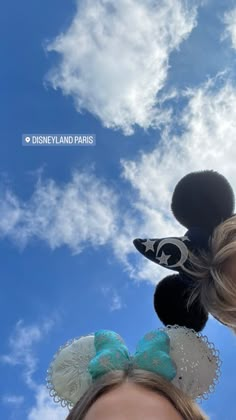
(200, 202)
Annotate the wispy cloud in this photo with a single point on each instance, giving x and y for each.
(113, 298)
(87, 212)
(21, 348)
(114, 58)
(22, 352)
(14, 400)
(45, 408)
(207, 141)
(230, 26)
(79, 213)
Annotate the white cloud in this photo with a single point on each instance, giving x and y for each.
(45, 408)
(77, 214)
(85, 211)
(114, 58)
(15, 400)
(116, 303)
(208, 125)
(113, 298)
(21, 344)
(230, 26)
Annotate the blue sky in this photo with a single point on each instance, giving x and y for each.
(155, 81)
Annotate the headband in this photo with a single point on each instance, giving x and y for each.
(200, 202)
(178, 354)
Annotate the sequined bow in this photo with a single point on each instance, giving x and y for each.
(152, 354)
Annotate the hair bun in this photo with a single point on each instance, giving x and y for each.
(170, 303)
(203, 199)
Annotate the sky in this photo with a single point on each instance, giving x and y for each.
(155, 82)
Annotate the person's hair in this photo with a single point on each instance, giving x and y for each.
(213, 286)
(184, 405)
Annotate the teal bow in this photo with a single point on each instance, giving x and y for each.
(152, 354)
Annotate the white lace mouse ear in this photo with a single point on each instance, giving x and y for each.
(197, 362)
(67, 377)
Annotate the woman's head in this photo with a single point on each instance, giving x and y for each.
(215, 274)
(134, 394)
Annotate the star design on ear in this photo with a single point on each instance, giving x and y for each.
(163, 259)
(149, 245)
(104, 361)
(156, 362)
(150, 336)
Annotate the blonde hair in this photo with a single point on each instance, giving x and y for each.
(214, 287)
(182, 403)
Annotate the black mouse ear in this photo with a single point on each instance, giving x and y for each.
(170, 303)
(203, 199)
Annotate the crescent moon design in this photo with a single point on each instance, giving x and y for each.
(180, 245)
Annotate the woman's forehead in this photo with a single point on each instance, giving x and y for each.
(132, 402)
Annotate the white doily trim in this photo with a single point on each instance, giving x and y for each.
(190, 383)
(204, 356)
(57, 397)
